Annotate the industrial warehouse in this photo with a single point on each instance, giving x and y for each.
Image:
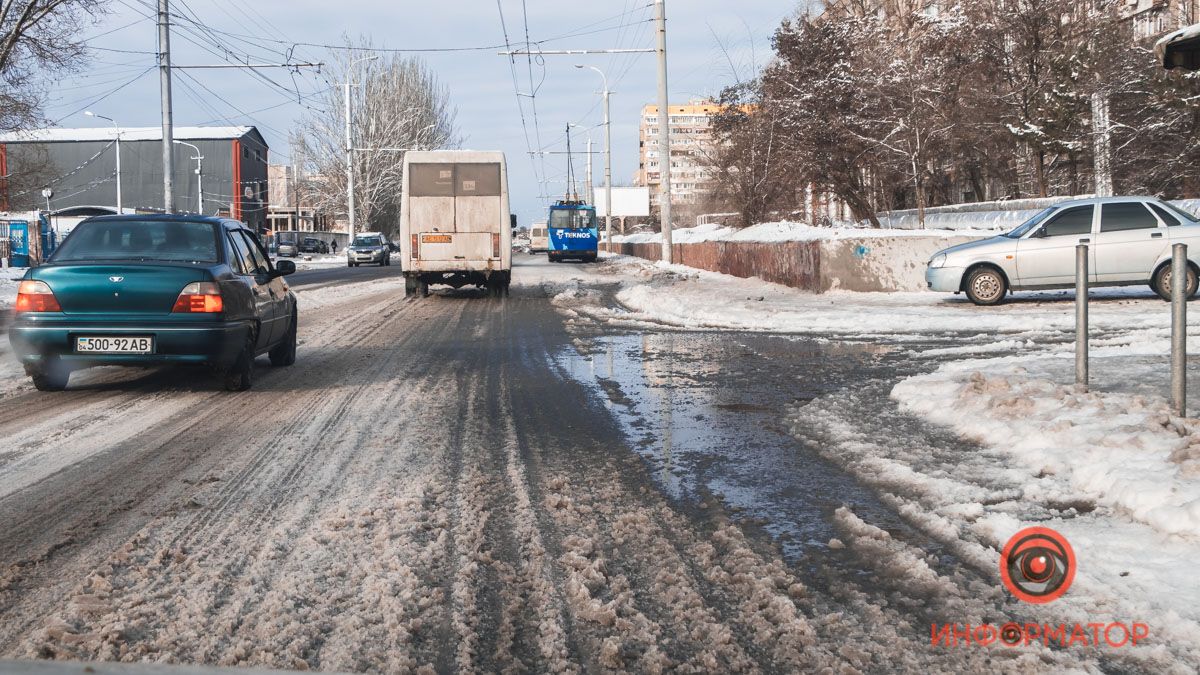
(219, 170)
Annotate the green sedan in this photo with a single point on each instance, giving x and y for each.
(151, 290)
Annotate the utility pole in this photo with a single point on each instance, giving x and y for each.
(350, 144)
(664, 132)
(164, 79)
(589, 196)
(349, 162)
(296, 186)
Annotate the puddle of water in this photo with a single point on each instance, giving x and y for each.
(706, 411)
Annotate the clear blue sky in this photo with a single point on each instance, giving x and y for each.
(700, 32)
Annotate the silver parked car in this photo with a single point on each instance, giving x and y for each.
(1129, 242)
(369, 248)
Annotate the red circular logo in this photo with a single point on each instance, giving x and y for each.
(1037, 565)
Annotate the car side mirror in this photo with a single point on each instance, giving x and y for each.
(284, 268)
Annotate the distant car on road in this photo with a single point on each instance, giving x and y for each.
(539, 238)
(1129, 242)
(314, 245)
(369, 248)
(152, 290)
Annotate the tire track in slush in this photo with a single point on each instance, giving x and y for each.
(238, 414)
(201, 539)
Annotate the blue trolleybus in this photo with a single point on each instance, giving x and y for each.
(573, 231)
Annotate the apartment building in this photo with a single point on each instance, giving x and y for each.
(1155, 18)
(691, 142)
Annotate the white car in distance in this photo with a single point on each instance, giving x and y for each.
(1129, 242)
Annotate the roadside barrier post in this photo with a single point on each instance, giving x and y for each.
(1081, 315)
(1179, 284)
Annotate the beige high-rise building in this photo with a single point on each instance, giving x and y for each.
(691, 142)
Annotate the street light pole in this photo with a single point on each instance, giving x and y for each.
(607, 163)
(89, 113)
(199, 176)
(350, 143)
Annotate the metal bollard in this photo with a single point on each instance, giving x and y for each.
(1081, 315)
(1179, 284)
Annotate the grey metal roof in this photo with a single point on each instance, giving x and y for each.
(105, 134)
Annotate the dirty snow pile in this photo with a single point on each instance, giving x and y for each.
(1126, 451)
(790, 231)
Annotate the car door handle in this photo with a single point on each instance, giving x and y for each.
(1085, 241)
(1156, 235)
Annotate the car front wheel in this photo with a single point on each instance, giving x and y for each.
(986, 286)
(1162, 282)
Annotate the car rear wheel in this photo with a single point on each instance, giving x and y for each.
(240, 375)
(284, 353)
(1161, 284)
(50, 377)
(986, 286)
(423, 288)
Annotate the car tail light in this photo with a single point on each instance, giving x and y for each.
(414, 247)
(199, 297)
(495, 245)
(36, 296)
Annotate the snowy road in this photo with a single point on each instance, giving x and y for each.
(482, 484)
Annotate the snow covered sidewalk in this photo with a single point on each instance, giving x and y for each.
(686, 298)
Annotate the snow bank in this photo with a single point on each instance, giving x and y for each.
(1123, 450)
(788, 231)
(684, 297)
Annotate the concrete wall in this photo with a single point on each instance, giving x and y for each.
(866, 264)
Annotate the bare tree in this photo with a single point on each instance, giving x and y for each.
(751, 174)
(398, 105)
(38, 40)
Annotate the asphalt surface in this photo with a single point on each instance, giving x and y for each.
(316, 277)
(471, 484)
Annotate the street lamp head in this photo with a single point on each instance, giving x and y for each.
(89, 113)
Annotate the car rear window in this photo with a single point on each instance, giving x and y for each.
(177, 241)
(1118, 216)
